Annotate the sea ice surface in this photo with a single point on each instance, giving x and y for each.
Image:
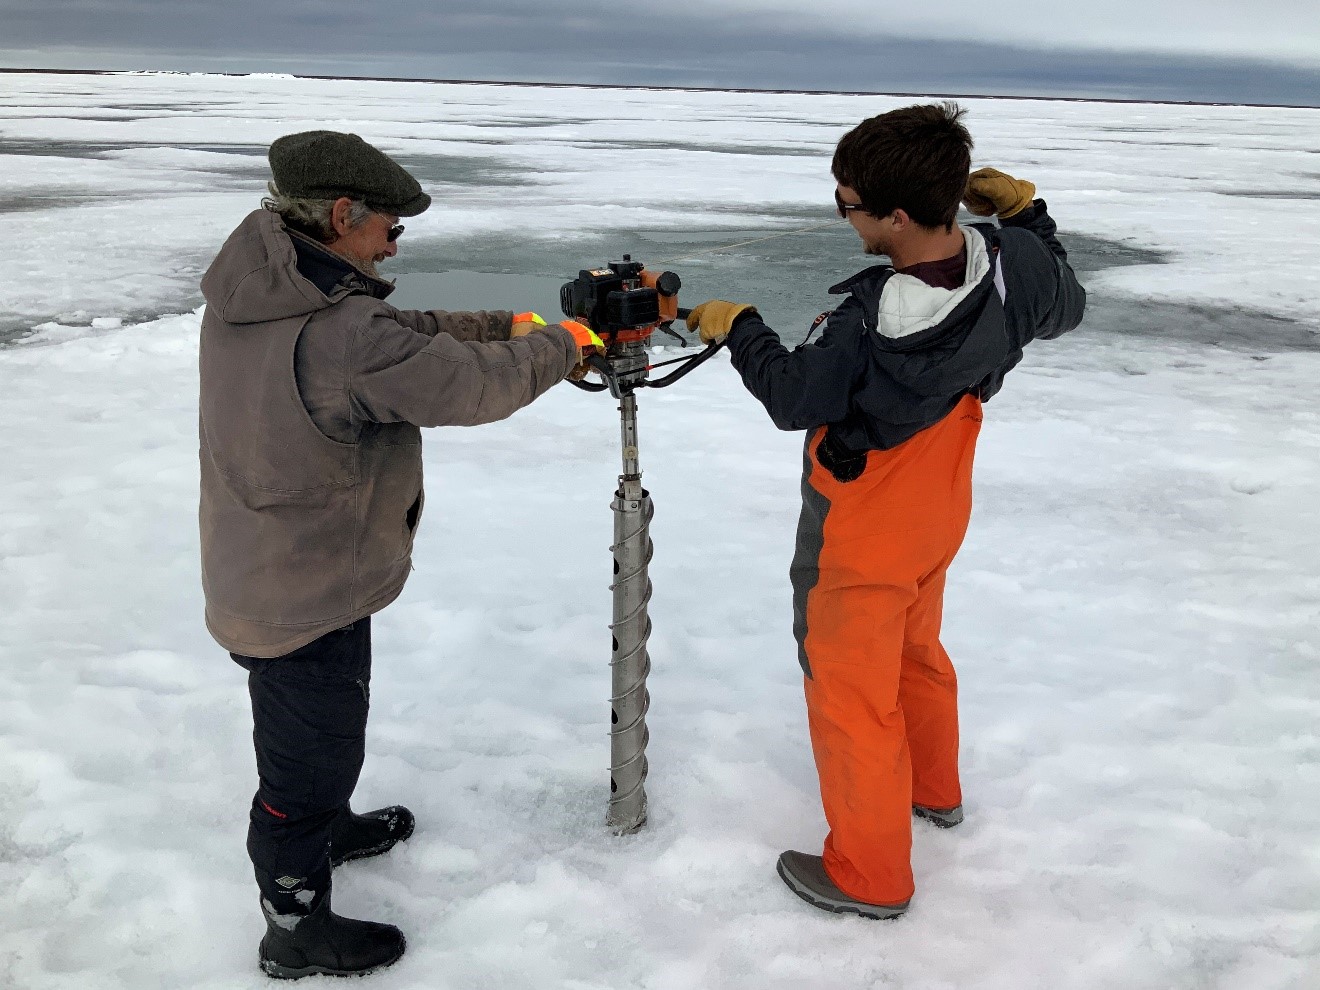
(1134, 614)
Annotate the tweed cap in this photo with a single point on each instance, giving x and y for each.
(330, 164)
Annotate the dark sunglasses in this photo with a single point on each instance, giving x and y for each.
(393, 233)
(845, 208)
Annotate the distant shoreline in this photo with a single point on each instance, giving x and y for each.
(668, 89)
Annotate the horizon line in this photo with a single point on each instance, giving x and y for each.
(667, 88)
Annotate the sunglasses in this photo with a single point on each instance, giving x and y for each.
(844, 208)
(393, 233)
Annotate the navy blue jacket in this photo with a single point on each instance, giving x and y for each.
(874, 385)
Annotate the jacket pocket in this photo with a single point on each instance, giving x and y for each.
(276, 557)
(411, 519)
(414, 514)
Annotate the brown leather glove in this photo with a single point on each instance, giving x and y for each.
(991, 191)
(714, 319)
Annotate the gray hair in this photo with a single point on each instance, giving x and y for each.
(312, 216)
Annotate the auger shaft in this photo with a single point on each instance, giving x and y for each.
(631, 628)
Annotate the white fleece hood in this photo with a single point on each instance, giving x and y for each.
(908, 305)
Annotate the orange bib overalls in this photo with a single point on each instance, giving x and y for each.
(882, 697)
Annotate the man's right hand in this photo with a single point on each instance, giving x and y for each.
(587, 341)
(588, 344)
(714, 319)
(990, 191)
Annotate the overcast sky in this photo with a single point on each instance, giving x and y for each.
(1222, 50)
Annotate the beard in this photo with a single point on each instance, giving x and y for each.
(365, 265)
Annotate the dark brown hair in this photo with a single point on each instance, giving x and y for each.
(916, 159)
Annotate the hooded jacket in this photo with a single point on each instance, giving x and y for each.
(897, 355)
(313, 389)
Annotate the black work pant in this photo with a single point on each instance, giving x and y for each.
(309, 722)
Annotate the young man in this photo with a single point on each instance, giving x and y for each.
(313, 389)
(891, 395)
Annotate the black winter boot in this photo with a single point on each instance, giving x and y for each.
(322, 942)
(359, 836)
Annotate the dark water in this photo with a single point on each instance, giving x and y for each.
(458, 290)
(785, 277)
(788, 278)
(102, 149)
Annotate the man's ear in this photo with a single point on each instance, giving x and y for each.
(339, 214)
(901, 219)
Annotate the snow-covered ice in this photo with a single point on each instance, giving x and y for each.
(1134, 614)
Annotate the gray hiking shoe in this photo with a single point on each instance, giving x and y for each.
(805, 876)
(940, 817)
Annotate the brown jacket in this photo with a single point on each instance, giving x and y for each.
(311, 399)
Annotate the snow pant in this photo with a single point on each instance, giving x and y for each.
(309, 723)
(882, 697)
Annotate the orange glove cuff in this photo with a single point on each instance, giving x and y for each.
(584, 336)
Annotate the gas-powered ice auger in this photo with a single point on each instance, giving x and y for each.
(625, 304)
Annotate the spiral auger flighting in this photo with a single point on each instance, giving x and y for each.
(624, 304)
(631, 628)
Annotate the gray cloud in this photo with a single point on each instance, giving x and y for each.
(591, 42)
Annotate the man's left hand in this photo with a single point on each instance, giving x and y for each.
(525, 323)
(990, 191)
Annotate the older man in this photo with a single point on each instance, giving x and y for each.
(313, 389)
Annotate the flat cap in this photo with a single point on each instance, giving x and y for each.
(330, 164)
